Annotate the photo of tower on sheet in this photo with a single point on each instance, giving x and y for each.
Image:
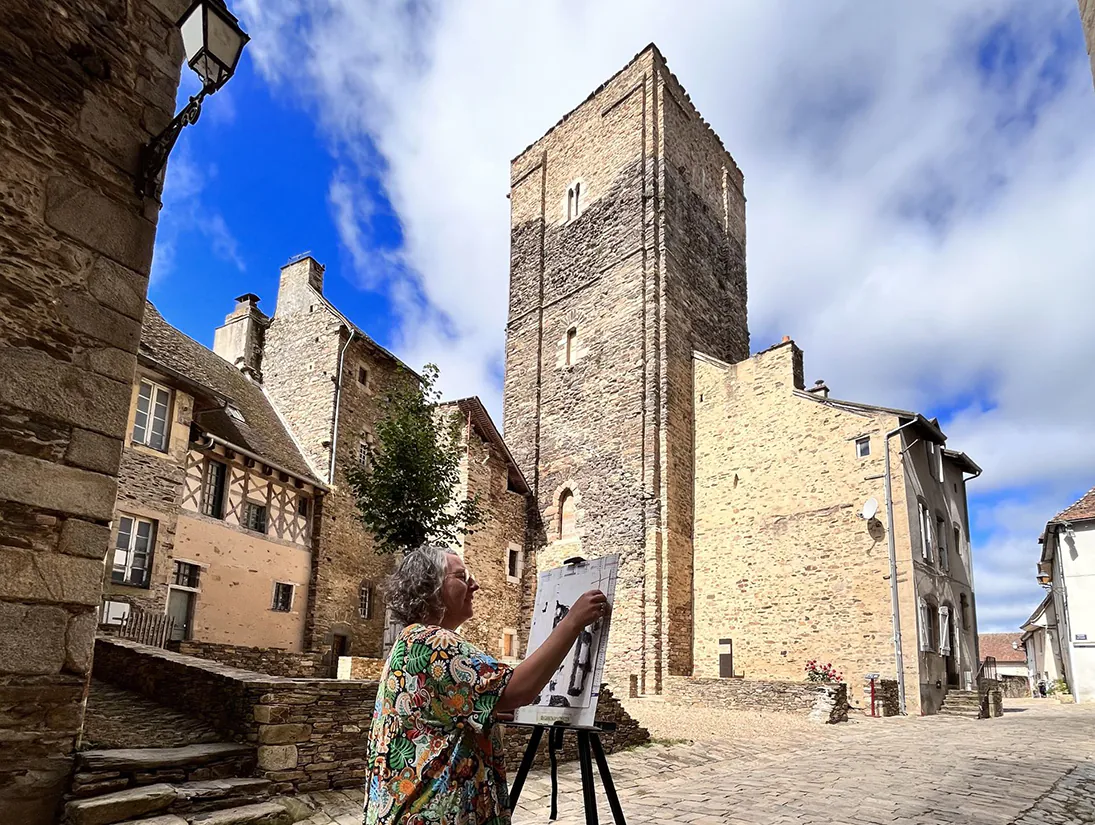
(571, 695)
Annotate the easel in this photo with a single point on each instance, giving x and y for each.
(589, 741)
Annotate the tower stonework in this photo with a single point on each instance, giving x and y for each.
(627, 253)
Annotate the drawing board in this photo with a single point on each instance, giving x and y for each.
(571, 694)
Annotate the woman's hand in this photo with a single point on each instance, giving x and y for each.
(591, 606)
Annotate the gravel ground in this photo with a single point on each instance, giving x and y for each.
(671, 723)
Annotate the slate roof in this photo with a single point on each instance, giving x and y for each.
(998, 645)
(1082, 509)
(216, 383)
(485, 425)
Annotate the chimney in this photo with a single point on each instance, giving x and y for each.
(239, 340)
(297, 276)
(819, 388)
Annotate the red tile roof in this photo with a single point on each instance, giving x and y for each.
(999, 645)
(1082, 509)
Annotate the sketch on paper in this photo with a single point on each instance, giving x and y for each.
(571, 695)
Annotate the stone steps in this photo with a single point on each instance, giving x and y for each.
(155, 805)
(105, 771)
(962, 703)
(266, 813)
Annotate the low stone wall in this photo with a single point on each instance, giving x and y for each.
(992, 698)
(628, 734)
(359, 667)
(1015, 687)
(271, 660)
(310, 733)
(821, 702)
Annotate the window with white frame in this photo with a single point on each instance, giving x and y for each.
(863, 447)
(925, 532)
(515, 564)
(113, 612)
(283, 597)
(254, 516)
(509, 643)
(935, 460)
(150, 424)
(941, 537)
(929, 626)
(365, 601)
(945, 630)
(133, 551)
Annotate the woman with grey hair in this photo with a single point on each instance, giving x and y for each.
(435, 753)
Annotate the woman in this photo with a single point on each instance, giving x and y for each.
(435, 755)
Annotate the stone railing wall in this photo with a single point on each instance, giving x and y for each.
(359, 667)
(273, 661)
(821, 702)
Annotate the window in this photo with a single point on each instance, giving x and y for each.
(365, 601)
(957, 541)
(941, 538)
(362, 376)
(945, 630)
(363, 454)
(187, 574)
(863, 447)
(111, 612)
(574, 207)
(964, 606)
(254, 516)
(133, 551)
(150, 422)
(572, 341)
(935, 460)
(213, 488)
(303, 506)
(234, 413)
(509, 643)
(567, 515)
(928, 626)
(925, 532)
(514, 564)
(283, 597)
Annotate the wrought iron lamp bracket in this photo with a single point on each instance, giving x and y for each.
(155, 153)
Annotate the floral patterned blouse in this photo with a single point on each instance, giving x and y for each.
(435, 755)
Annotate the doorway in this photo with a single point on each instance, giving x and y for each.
(951, 659)
(340, 646)
(180, 610)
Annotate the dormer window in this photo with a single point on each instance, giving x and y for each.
(234, 413)
(574, 201)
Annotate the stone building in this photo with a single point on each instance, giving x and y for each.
(627, 254)
(788, 570)
(1087, 20)
(86, 84)
(213, 523)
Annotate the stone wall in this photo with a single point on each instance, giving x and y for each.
(86, 84)
(360, 667)
(611, 426)
(821, 702)
(270, 660)
(1087, 19)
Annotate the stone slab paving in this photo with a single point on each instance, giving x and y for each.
(117, 718)
(1034, 766)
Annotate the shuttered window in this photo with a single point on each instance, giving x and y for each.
(945, 630)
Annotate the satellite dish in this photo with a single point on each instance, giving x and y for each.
(870, 508)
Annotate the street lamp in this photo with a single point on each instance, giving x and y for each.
(213, 42)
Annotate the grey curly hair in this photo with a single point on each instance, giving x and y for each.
(414, 589)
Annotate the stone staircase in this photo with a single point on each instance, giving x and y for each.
(201, 784)
(965, 703)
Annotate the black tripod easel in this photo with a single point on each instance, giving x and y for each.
(589, 742)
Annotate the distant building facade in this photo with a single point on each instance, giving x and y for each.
(1009, 657)
(1041, 643)
(1067, 567)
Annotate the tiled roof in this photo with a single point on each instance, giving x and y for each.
(1082, 509)
(485, 424)
(999, 646)
(261, 432)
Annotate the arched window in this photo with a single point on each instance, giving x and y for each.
(572, 342)
(567, 514)
(574, 205)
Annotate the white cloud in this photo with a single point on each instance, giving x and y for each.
(924, 233)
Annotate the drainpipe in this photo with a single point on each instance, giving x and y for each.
(338, 404)
(893, 574)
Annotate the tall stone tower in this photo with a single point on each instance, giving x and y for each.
(627, 253)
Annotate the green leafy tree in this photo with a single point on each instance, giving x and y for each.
(405, 492)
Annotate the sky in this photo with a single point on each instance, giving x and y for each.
(920, 180)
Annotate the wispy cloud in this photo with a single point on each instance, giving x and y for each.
(918, 176)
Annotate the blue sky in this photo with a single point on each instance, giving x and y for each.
(919, 183)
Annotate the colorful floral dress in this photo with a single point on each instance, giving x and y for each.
(435, 755)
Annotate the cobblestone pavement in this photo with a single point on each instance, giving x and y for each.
(1034, 766)
(117, 718)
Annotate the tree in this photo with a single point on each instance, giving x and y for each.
(405, 491)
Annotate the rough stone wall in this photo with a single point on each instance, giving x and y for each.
(269, 660)
(300, 369)
(785, 567)
(601, 426)
(821, 702)
(86, 84)
(1087, 19)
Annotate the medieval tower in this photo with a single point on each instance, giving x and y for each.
(627, 252)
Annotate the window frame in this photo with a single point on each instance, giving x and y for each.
(929, 629)
(365, 601)
(941, 542)
(249, 509)
(304, 505)
(567, 496)
(864, 440)
(275, 601)
(514, 553)
(926, 551)
(208, 509)
(130, 552)
(511, 633)
(148, 428)
(570, 346)
(192, 584)
(362, 375)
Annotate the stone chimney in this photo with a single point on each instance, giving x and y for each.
(240, 339)
(297, 276)
(819, 388)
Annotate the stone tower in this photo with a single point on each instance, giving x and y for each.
(627, 253)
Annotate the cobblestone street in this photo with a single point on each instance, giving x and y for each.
(1034, 766)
